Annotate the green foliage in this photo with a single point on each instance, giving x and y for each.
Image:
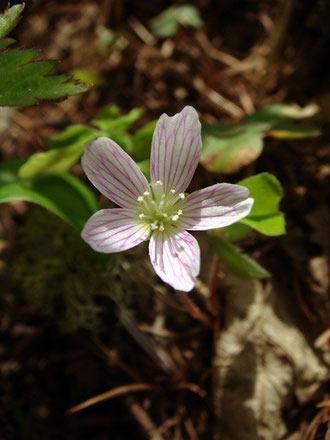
(66, 149)
(63, 194)
(236, 261)
(24, 81)
(67, 146)
(168, 22)
(110, 120)
(229, 147)
(265, 215)
(10, 19)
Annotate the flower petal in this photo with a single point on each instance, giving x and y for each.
(113, 172)
(176, 147)
(176, 258)
(215, 207)
(114, 230)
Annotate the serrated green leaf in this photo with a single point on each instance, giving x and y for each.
(236, 261)
(9, 19)
(64, 194)
(168, 22)
(265, 215)
(27, 84)
(111, 120)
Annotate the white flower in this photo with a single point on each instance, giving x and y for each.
(160, 211)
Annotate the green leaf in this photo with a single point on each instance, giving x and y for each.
(265, 215)
(74, 134)
(67, 148)
(228, 147)
(9, 19)
(236, 231)
(235, 260)
(168, 22)
(65, 195)
(24, 82)
(141, 141)
(276, 112)
(111, 120)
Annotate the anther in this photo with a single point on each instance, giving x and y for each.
(142, 215)
(140, 199)
(182, 196)
(172, 191)
(159, 182)
(146, 193)
(161, 227)
(175, 217)
(179, 211)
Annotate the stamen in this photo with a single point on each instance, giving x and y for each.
(172, 191)
(179, 211)
(142, 215)
(161, 227)
(182, 196)
(175, 217)
(140, 199)
(154, 225)
(146, 193)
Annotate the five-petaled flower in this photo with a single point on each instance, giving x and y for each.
(160, 211)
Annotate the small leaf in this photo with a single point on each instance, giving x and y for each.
(235, 260)
(168, 22)
(227, 150)
(27, 84)
(285, 131)
(111, 120)
(22, 81)
(265, 215)
(67, 148)
(276, 112)
(73, 134)
(228, 147)
(9, 19)
(65, 195)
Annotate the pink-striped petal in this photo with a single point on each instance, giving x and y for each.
(176, 147)
(176, 258)
(114, 230)
(215, 207)
(113, 172)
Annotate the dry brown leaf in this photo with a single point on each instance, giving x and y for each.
(262, 362)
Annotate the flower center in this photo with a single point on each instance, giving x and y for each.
(160, 209)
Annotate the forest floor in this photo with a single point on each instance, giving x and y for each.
(253, 366)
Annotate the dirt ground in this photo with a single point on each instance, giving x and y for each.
(250, 362)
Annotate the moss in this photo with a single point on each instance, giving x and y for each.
(63, 278)
(59, 274)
